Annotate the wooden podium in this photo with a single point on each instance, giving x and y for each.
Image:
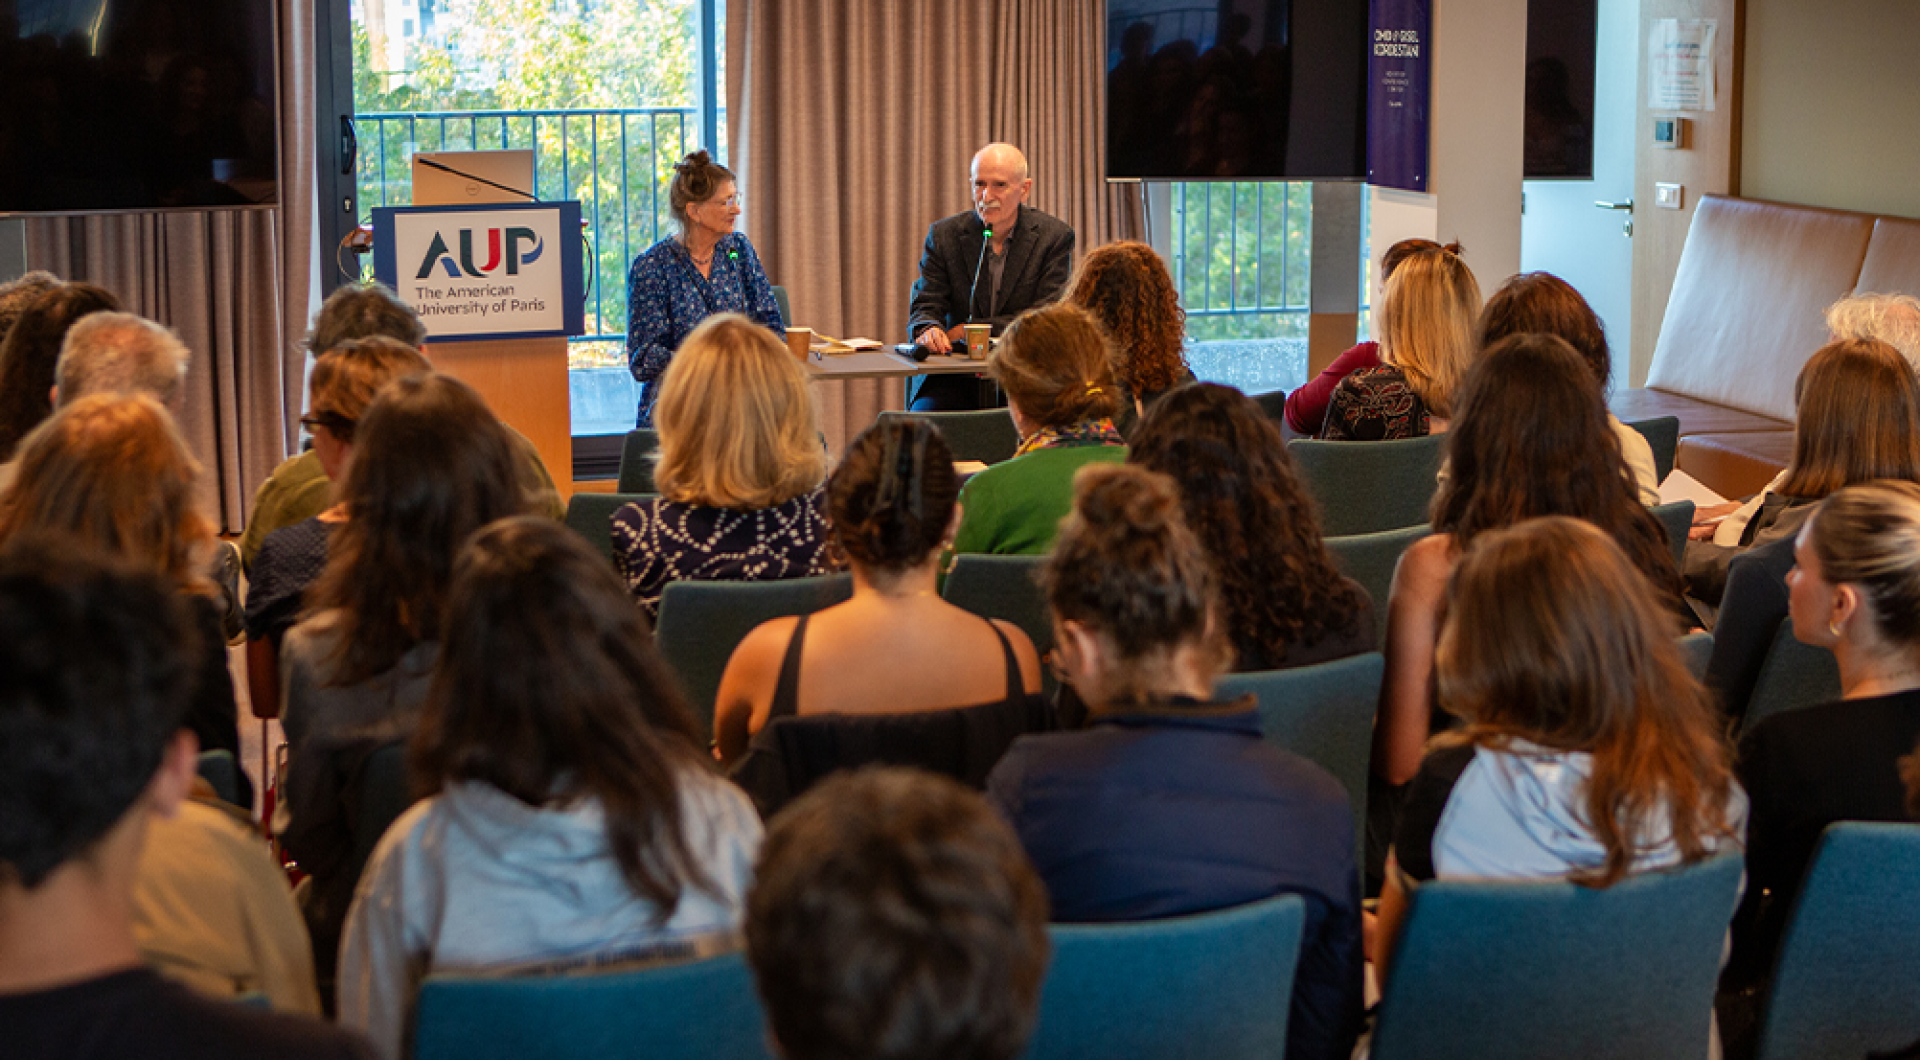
(524, 380)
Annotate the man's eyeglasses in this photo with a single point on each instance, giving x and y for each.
(337, 425)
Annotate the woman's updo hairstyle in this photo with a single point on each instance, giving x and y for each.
(1869, 536)
(695, 179)
(891, 499)
(1056, 364)
(1126, 564)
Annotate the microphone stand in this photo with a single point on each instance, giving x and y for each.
(986, 240)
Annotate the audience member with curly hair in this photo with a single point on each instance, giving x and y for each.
(1168, 802)
(1283, 601)
(1128, 289)
(891, 504)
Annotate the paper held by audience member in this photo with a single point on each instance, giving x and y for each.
(1680, 486)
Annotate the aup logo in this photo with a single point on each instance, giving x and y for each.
(502, 244)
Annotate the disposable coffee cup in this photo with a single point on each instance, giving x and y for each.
(800, 343)
(978, 336)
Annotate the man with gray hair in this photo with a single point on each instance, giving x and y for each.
(985, 265)
(120, 353)
(1891, 318)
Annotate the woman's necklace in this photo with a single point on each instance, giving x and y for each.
(697, 259)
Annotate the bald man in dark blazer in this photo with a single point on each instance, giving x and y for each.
(1027, 263)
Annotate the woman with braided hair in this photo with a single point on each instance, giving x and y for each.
(896, 646)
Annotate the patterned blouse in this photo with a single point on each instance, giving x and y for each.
(667, 298)
(1375, 404)
(657, 541)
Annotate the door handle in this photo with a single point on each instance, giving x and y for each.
(1605, 205)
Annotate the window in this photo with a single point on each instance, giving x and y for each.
(609, 94)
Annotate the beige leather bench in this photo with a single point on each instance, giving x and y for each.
(1749, 297)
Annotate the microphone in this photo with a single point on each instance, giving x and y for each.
(986, 240)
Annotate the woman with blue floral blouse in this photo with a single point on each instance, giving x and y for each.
(707, 268)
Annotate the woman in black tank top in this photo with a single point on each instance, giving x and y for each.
(896, 646)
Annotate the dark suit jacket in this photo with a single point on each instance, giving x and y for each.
(1039, 258)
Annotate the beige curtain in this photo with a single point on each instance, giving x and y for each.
(233, 283)
(1049, 99)
(853, 122)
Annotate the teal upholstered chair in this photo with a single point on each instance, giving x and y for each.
(1496, 970)
(701, 1010)
(702, 622)
(1004, 587)
(1675, 517)
(636, 461)
(1214, 985)
(986, 435)
(1663, 436)
(1370, 559)
(1847, 979)
(1697, 648)
(1364, 487)
(1794, 675)
(591, 516)
(1323, 713)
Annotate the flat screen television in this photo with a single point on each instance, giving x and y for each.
(1237, 90)
(137, 105)
(1561, 46)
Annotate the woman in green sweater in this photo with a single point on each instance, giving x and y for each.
(1056, 365)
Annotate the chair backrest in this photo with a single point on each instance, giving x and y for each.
(1847, 980)
(383, 795)
(790, 755)
(1370, 559)
(702, 622)
(1663, 436)
(636, 461)
(786, 307)
(704, 1009)
(222, 771)
(1323, 713)
(1794, 675)
(1499, 970)
(986, 435)
(1697, 649)
(1675, 517)
(1003, 587)
(1215, 985)
(591, 516)
(1368, 486)
(1273, 403)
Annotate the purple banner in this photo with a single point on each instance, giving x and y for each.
(1398, 74)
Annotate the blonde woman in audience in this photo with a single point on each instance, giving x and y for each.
(1168, 802)
(1855, 590)
(574, 822)
(1056, 365)
(891, 502)
(1127, 288)
(431, 465)
(1858, 419)
(113, 471)
(340, 387)
(739, 473)
(1426, 323)
(1587, 752)
(1306, 410)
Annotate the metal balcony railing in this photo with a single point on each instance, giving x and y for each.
(617, 161)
